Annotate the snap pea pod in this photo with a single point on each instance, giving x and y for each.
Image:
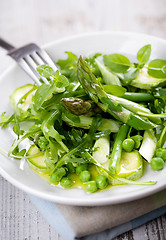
(117, 148)
(138, 97)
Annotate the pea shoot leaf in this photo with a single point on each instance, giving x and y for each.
(143, 54)
(45, 71)
(60, 80)
(157, 68)
(117, 62)
(114, 90)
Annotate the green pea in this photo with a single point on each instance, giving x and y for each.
(57, 175)
(101, 181)
(85, 176)
(157, 163)
(70, 167)
(66, 182)
(128, 144)
(161, 152)
(81, 168)
(91, 186)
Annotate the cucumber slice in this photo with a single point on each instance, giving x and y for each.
(101, 149)
(131, 167)
(145, 81)
(25, 92)
(37, 160)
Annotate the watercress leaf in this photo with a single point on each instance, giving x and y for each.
(143, 54)
(60, 80)
(117, 62)
(45, 71)
(157, 68)
(114, 90)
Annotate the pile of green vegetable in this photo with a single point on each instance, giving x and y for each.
(97, 123)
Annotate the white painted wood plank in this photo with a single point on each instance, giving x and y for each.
(19, 218)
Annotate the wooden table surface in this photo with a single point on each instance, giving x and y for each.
(44, 21)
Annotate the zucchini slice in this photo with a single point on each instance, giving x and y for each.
(101, 149)
(36, 158)
(131, 167)
(25, 92)
(145, 81)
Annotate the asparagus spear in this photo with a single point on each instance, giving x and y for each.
(79, 106)
(96, 92)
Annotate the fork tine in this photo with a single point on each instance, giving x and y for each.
(27, 69)
(33, 65)
(47, 59)
(36, 57)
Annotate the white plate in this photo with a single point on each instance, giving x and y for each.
(29, 181)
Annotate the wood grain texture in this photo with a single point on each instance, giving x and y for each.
(44, 21)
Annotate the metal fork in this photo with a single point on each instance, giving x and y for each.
(29, 57)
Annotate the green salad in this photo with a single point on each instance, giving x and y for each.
(98, 123)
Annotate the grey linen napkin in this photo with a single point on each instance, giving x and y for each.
(89, 220)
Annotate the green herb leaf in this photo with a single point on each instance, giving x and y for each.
(60, 81)
(117, 63)
(41, 95)
(45, 71)
(160, 93)
(114, 90)
(69, 66)
(157, 68)
(143, 54)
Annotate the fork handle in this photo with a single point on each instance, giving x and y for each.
(6, 45)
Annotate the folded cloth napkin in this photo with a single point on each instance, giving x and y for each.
(102, 222)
